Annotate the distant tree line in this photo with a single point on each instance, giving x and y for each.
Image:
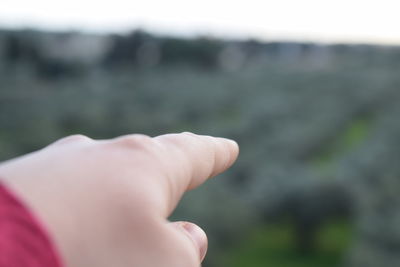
(25, 48)
(143, 49)
(139, 47)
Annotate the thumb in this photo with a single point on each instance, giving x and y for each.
(195, 234)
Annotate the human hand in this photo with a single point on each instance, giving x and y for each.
(106, 202)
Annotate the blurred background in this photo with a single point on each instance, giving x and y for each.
(309, 89)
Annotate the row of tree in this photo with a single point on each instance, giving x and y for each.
(55, 55)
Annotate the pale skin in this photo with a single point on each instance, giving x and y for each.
(107, 202)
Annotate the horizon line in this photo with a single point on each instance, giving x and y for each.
(207, 33)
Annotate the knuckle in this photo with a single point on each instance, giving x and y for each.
(135, 141)
(190, 136)
(73, 139)
(182, 139)
(78, 137)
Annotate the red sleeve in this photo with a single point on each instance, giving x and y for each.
(23, 241)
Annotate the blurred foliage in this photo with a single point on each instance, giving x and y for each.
(317, 180)
(344, 142)
(273, 245)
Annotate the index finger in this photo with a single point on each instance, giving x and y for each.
(190, 159)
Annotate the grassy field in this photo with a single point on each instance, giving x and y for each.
(274, 245)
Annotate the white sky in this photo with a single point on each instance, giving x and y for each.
(318, 20)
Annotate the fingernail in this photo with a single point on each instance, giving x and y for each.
(198, 236)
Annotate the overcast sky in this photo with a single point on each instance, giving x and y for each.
(318, 20)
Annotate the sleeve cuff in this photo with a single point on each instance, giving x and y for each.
(23, 240)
